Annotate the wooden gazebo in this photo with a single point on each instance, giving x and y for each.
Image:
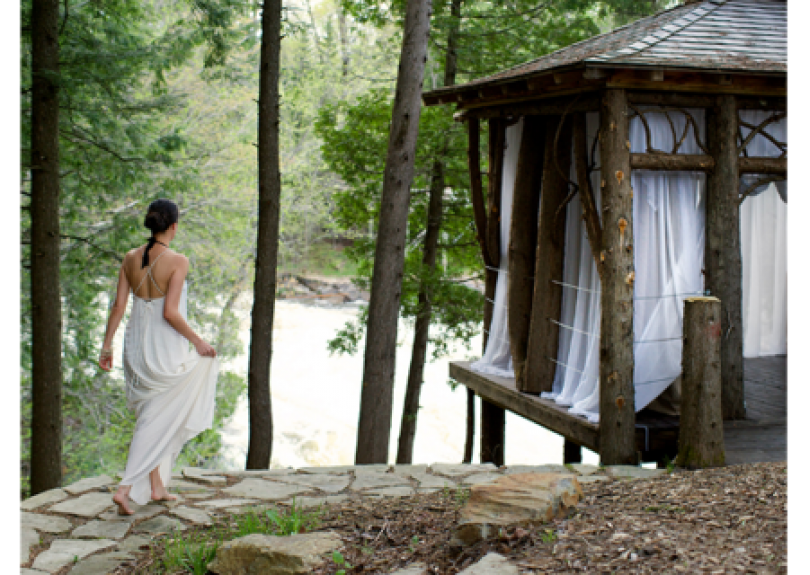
(722, 56)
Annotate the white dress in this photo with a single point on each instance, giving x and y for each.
(170, 387)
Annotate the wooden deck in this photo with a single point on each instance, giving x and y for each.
(762, 436)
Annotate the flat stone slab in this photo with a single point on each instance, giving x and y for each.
(159, 524)
(481, 478)
(432, 481)
(197, 516)
(88, 484)
(583, 468)
(28, 538)
(141, 512)
(592, 479)
(428, 489)
(459, 469)
(261, 489)
(409, 470)
(103, 529)
(399, 491)
(26, 571)
(133, 543)
(632, 472)
(260, 472)
(370, 468)
(377, 480)
(222, 503)
(414, 569)
(549, 468)
(308, 502)
(491, 564)
(330, 470)
(197, 472)
(100, 564)
(327, 483)
(290, 555)
(182, 486)
(87, 505)
(44, 498)
(44, 523)
(63, 552)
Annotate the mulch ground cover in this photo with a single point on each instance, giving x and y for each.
(725, 520)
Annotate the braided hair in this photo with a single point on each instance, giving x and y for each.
(159, 218)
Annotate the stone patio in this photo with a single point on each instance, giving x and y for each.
(81, 529)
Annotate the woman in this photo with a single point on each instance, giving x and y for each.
(170, 387)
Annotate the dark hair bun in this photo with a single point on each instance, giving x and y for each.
(161, 215)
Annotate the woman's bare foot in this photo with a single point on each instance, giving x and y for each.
(121, 500)
(163, 495)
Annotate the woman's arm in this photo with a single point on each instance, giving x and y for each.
(117, 311)
(172, 314)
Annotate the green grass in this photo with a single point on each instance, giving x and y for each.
(275, 522)
(190, 553)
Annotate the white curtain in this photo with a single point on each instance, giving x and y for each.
(763, 232)
(497, 359)
(669, 224)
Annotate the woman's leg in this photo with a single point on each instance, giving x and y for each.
(159, 492)
(121, 499)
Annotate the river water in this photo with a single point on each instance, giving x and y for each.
(316, 398)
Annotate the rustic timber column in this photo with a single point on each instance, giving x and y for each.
(700, 439)
(493, 418)
(572, 452)
(546, 304)
(617, 415)
(522, 241)
(723, 257)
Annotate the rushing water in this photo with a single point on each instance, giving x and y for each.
(316, 399)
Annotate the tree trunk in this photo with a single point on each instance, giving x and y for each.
(420, 339)
(723, 257)
(617, 415)
(523, 241)
(344, 41)
(46, 306)
(374, 426)
(700, 439)
(543, 335)
(260, 446)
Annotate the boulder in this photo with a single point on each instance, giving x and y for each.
(519, 499)
(271, 555)
(491, 564)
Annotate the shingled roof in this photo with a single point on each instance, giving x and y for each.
(714, 35)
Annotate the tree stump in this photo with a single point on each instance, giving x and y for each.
(700, 443)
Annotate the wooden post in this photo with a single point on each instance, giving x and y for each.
(546, 304)
(492, 416)
(700, 443)
(522, 241)
(723, 256)
(572, 452)
(617, 416)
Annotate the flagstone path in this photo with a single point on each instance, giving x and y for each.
(77, 526)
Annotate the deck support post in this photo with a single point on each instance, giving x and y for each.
(493, 417)
(572, 453)
(522, 241)
(723, 256)
(700, 440)
(546, 304)
(617, 416)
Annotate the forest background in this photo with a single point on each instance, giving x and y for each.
(158, 99)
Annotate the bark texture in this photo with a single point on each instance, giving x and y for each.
(493, 425)
(260, 443)
(590, 213)
(544, 335)
(700, 439)
(616, 392)
(374, 426)
(523, 241)
(46, 306)
(723, 257)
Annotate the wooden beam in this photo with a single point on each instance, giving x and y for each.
(476, 191)
(590, 213)
(674, 99)
(502, 392)
(671, 162)
(497, 141)
(723, 257)
(587, 102)
(523, 238)
(493, 424)
(776, 166)
(762, 103)
(572, 452)
(700, 439)
(546, 304)
(617, 416)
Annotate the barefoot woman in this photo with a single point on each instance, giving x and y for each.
(170, 387)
